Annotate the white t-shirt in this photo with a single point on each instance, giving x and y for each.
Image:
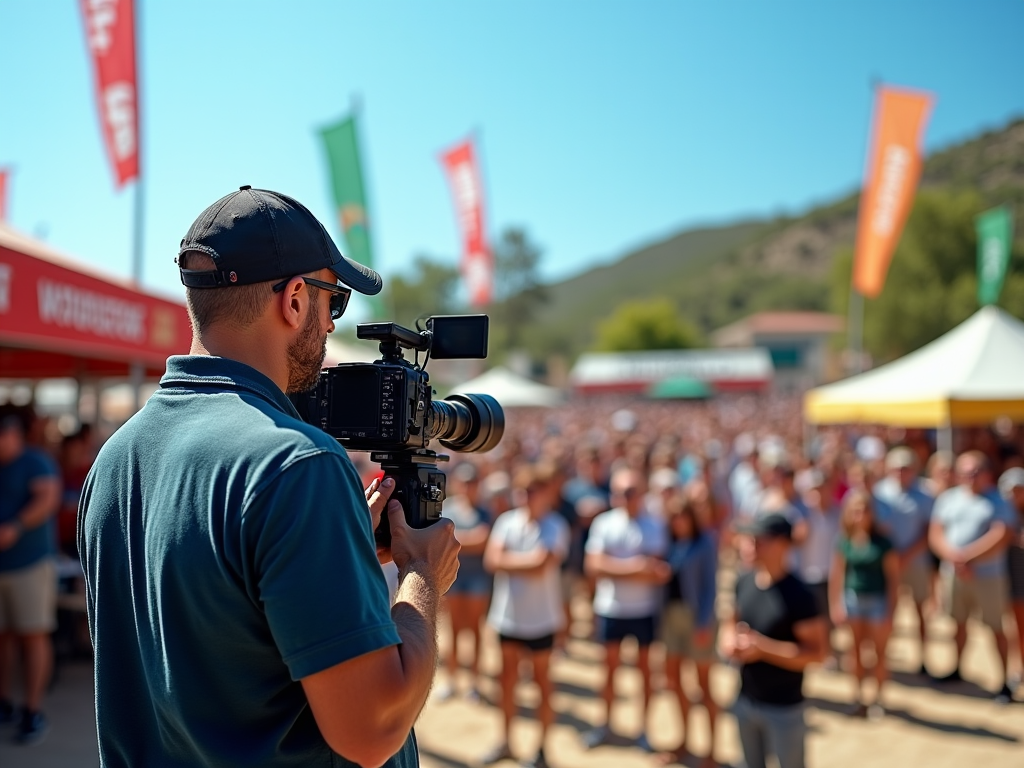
(529, 606)
(616, 534)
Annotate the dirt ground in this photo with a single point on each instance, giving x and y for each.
(926, 723)
(954, 726)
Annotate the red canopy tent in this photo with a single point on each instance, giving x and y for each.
(60, 318)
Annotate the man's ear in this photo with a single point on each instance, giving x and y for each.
(294, 302)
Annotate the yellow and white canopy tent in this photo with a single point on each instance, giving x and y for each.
(971, 376)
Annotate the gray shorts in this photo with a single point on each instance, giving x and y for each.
(918, 577)
(28, 599)
(677, 630)
(986, 597)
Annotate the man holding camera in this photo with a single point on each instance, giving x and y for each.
(236, 602)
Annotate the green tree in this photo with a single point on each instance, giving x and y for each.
(645, 324)
(932, 282)
(518, 290)
(431, 288)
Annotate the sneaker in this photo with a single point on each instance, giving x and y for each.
(32, 728)
(537, 761)
(1004, 696)
(876, 712)
(6, 712)
(595, 737)
(496, 755)
(952, 677)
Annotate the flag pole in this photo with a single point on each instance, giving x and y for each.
(138, 371)
(855, 311)
(855, 329)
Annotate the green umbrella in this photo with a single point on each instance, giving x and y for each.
(679, 388)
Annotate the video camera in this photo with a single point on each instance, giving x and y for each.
(385, 407)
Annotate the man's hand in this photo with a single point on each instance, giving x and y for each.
(377, 496)
(747, 648)
(9, 535)
(657, 571)
(963, 571)
(433, 551)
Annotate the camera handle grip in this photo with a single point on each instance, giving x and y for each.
(420, 488)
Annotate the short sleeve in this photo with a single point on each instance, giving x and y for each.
(312, 562)
(596, 539)
(803, 605)
(41, 466)
(499, 531)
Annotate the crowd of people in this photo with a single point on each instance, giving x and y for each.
(647, 512)
(716, 533)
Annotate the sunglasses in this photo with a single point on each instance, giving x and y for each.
(339, 294)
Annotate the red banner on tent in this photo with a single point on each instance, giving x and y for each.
(468, 195)
(894, 167)
(51, 307)
(110, 33)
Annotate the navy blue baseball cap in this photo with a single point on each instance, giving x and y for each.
(255, 235)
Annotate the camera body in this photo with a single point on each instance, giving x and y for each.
(387, 408)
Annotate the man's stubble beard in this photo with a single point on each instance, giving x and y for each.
(306, 354)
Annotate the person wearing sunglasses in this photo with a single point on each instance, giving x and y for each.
(241, 594)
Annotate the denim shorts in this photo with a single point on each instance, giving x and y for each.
(611, 630)
(870, 607)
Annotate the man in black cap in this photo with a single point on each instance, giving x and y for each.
(774, 633)
(236, 601)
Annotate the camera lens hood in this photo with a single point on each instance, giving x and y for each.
(469, 423)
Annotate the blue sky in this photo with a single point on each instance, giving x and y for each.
(602, 125)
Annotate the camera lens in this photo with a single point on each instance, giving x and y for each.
(467, 423)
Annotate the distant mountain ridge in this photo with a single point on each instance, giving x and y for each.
(719, 274)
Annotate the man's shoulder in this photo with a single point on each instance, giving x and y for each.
(240, 423)
(951, 498)
(512, 518)
(611, 518)
(38, 462)
(798, 597)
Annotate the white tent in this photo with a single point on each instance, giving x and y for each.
(512, 390)
(972, 375)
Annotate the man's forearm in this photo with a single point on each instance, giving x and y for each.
(415, 617)
(42, 505)
(523, 563)
(616, 567)
(788, 655)
(993, 540)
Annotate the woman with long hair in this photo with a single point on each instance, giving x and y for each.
(863, 586)
(688, 619)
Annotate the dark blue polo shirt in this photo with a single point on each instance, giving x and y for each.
(16, 480)
(228, 554)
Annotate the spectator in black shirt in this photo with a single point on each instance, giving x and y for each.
(776, 630)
